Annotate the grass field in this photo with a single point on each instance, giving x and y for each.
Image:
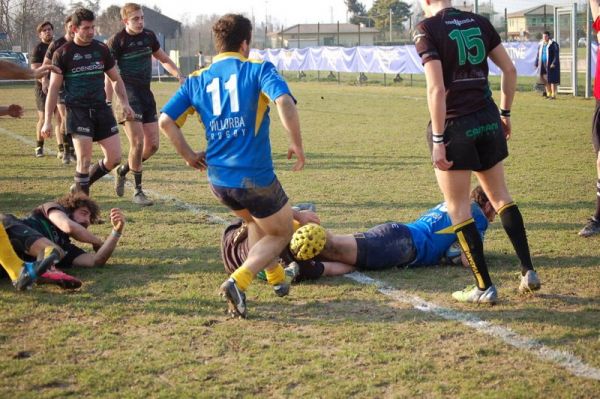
(150, 324)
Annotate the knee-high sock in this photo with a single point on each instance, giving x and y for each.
(276, 275)
(243, 277)
(512, 221)
(9, 260)
(471, 244)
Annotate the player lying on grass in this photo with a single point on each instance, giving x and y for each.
(48, 230)
(423, 242)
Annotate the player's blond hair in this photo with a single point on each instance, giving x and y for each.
(128, 8)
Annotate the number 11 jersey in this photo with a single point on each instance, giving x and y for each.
(232, 98)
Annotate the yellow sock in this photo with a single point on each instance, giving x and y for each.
(9, 260)
(243, 277)
(276, 275)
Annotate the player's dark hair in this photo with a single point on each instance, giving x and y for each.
(479, 196)
(43, 25)
(230, 31)
(547, 33)
(68, 20)
(82, 14)
(72, 202)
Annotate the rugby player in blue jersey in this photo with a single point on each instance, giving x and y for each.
(428, 240)
(232, 98)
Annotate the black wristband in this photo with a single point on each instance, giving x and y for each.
(505, 113)
(437, 138)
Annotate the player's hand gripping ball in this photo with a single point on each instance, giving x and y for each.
(308, 241)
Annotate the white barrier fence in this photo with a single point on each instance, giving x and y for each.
(382, 59)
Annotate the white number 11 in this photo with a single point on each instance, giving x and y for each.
(231, 86)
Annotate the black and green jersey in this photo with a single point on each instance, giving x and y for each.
(133, 54)
(55, 45)
(83, 70)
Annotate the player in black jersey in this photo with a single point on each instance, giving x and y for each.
(84, 62)
(133, 49)
(467, 134)
(68, 153)
(45, 31)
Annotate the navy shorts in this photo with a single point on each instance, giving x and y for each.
(475, 141)
(385, 246)
(98, 123)
(141, 100)
(261, 202)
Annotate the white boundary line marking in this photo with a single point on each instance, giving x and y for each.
(567, 360)
(564, 359)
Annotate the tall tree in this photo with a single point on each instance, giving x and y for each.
(380, 12)
(357, 11)
(93, 5)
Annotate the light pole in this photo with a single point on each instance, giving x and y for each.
(390, 26)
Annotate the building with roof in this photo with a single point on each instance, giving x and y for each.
(529, 24)
(310, 35)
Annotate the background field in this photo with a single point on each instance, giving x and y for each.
(150, 324)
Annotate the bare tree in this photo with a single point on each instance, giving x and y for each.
(109, 22)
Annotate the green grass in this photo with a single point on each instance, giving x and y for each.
(150, 324)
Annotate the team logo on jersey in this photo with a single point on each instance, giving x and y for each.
(77, 57)
(140, 43)
(87, 56)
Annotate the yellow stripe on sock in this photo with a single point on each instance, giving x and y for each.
(465, 247)
(9, 260)
(505, 207)
(243, 277)
(276, 275)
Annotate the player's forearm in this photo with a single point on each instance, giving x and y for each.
(173, 132)
(170, 66)
(10, 70)
(288, 114)
(119, 87)
(106, 250)
(508, 87)
(51, 100)
(436, 101)
(81, 234)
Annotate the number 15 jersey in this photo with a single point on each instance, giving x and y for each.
(462, 42)
(232, 98)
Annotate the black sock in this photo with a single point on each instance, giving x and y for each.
(124, 169)
(512, 221)
(40, 143)
(597, 214)
(472, 245)
(309, 270)
(69, 141)
(61, 148)
(137, 177)
(82, 181)
(97, 171)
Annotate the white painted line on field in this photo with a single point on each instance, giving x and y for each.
(564, 359)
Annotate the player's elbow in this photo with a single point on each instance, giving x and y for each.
(510, 71)
(165, 122)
